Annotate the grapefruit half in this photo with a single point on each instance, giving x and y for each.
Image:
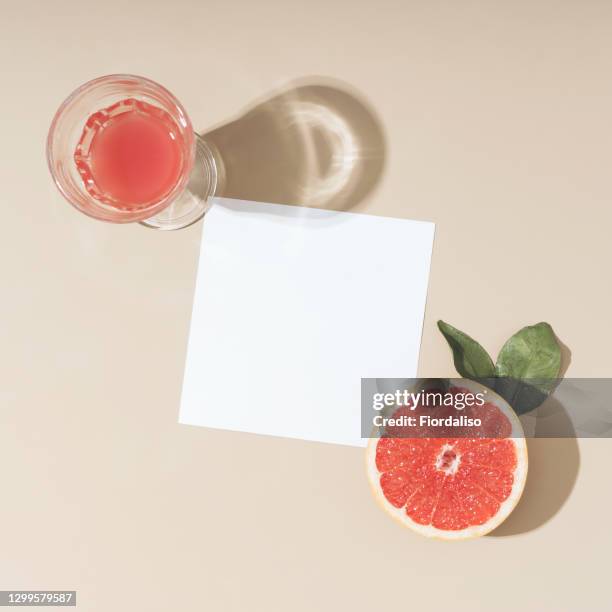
(453, 487)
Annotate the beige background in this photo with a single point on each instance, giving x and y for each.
(496, 119)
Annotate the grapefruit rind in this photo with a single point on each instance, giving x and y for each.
(506, 507)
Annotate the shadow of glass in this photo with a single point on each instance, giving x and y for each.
(315, 143)
(554, 462)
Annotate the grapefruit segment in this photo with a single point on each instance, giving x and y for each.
(452, 488)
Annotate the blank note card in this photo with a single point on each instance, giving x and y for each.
(293, 306)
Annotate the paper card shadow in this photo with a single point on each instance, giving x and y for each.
(315, 143)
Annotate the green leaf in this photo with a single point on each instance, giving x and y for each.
(532, 353)
(471, 360)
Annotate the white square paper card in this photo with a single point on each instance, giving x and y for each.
(293, 306)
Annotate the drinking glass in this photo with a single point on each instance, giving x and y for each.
(188, 198)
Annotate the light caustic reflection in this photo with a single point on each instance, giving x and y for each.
(314, 146)
(331, 151)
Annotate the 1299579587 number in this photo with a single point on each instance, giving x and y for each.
(37, 598)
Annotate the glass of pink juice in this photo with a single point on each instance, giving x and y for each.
(122, 148)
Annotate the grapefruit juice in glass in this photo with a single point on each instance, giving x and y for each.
(122, 148)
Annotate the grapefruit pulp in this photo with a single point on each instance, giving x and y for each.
(452, 487)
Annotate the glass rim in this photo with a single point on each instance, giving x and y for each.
(152, 208)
